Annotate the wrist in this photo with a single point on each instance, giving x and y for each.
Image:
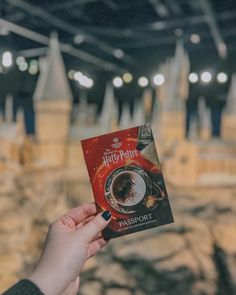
(47, 281)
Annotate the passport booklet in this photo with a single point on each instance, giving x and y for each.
(126, 179)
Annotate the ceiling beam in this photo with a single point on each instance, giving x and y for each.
(71, 29)
(138, 31)
(160, 9)
(169, 39)
(39, 38)
(70, 4)
(184, 21)
(174, 6)
(33, 52)
(111, 4)
(76, 9)
(214, 28)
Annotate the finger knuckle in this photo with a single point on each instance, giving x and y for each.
(97, 222)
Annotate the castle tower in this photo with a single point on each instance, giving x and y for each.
(109, 113)
(53, 101)
(229, 116)
(193, 133)
(9, 116)
(11, 137)
(20, 122)
(172, 95)
(204, 116)
(82, 108)
(125, 119)
(147, 103)
(1, 118)
(138, 115)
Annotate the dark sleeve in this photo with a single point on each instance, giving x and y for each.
(23, 287)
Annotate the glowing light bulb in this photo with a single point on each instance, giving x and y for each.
(127, 77)
(143, 81)
(158, 79)
(193, 77)
(7, 59)
(222, 77)
(206, 77)
(117, 82)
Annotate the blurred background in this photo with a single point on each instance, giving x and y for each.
(79, 68)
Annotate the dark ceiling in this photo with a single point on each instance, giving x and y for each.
(104, 38)
(145, 30)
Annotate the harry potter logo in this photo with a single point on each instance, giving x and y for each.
(117, 156)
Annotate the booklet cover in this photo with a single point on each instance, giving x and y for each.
(126, 179)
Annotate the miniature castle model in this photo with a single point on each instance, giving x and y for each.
(229, 115)
(197, 161)
(172, 95)
(53, 102)
(11, 137)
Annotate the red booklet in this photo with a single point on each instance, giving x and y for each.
(126, 179)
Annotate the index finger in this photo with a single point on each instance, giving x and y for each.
(79, 213)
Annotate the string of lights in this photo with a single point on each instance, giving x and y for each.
(32, 66)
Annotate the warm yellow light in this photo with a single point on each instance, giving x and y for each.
(143, 81)
(127, 77)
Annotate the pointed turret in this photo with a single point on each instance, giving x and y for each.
(193, 128)
(172, 93)
(20, 121)
(204, 115)
(53, 83)
(125, 119)
(228, 129)
(9, 112)
(1, 117)
(109, 114)
(138, 115)
(10, 135)
(179, 71)
(82, 108)
(230, 107)
(147, 103)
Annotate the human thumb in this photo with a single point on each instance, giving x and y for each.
(95, 226)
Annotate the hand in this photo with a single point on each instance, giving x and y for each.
(71, 240)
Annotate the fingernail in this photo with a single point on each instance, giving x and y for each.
(106, 215)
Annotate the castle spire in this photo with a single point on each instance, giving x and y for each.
(53, 83)
(175, 89)
(231, 99)
(20, 120)
(1, 117)
(109, 109)
(125, 120)
(138, 115)
(204, 114)
(9, 113)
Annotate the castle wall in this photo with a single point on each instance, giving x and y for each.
(181, 168)
(51, 154)
(52, 131)
(52, 120)
(193, 164)
(228, 129)
(75, 155)
(9, 151)
(171, 128)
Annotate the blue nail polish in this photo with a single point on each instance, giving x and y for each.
(106, 215)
